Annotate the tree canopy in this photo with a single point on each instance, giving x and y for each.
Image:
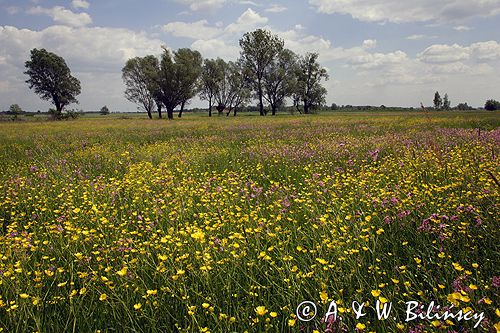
(139, 77)
(51, 79)
(258, 50)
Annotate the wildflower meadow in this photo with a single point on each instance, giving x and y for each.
(228, 224)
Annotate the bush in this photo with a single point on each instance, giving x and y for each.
(492, 105)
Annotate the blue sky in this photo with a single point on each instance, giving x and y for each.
(391, 52)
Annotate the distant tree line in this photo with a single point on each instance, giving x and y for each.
(266, 71)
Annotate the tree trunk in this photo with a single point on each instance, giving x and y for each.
(261, 103)
(182, 109)
(159, 111)
(220, 109)
(234, 112)
(306, 106)
(210, 107)
(149, 114)
(170, 113)
(273, 106)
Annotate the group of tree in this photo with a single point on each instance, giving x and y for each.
(441, 103)
(492, 105)
(266, 71)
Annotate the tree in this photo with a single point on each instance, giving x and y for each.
(308, 89)
(15, 110)
(279, 79)
(258, 50)
(446, 102)
(210, 76)
(189, 67)
(139, 76)
(492, 105)
(230, 89)
(463, 107)
(104, 110)
(178, 78)
(438, 102)
(51, 78)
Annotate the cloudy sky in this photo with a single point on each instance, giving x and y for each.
(391, 52)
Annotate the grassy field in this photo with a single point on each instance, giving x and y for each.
(228, 224)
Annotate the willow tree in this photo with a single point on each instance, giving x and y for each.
(258, 50)
(51, 79)
(139, 75)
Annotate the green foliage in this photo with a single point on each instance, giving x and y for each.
(178, 77)
(140, 78)
(104, 110)
(258, 51)
(446, 102)
(51, 78)
(464, 107)
(279, 79)
(438, 102)
(492, 105)
(308, 89)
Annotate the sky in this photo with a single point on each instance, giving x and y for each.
(390, 52)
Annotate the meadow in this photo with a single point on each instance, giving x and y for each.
(228, 224)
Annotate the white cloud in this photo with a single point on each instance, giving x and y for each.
(441, 53)
(62, 15)
(200, 5)
(462, 28)
(479, 52)
(369, 44)
(409, 11)
(214, 48)
(80, 4)
(94, 55)
(248, 21)
(274, 8)
(196, 30)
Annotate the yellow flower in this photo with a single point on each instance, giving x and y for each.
(205, 305)
(24, 296)
(457, 266)
(291, 322)
(273, 314)
(417, 260)
(261, 310)
(103, 297)
(123, 271)
(324, 296)
(152, 292)
(360, 326)
(138, 306)
(436, 323)
(376, 293)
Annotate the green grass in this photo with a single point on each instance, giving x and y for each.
(226, 224)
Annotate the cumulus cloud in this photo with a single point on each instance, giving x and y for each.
(62, 15)
(248, 21)
(398, 11)
(200, 5)
(95, 56)
(442, 53)
(80, 4)
(462, 28)
(274, 8)
(195, 30)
